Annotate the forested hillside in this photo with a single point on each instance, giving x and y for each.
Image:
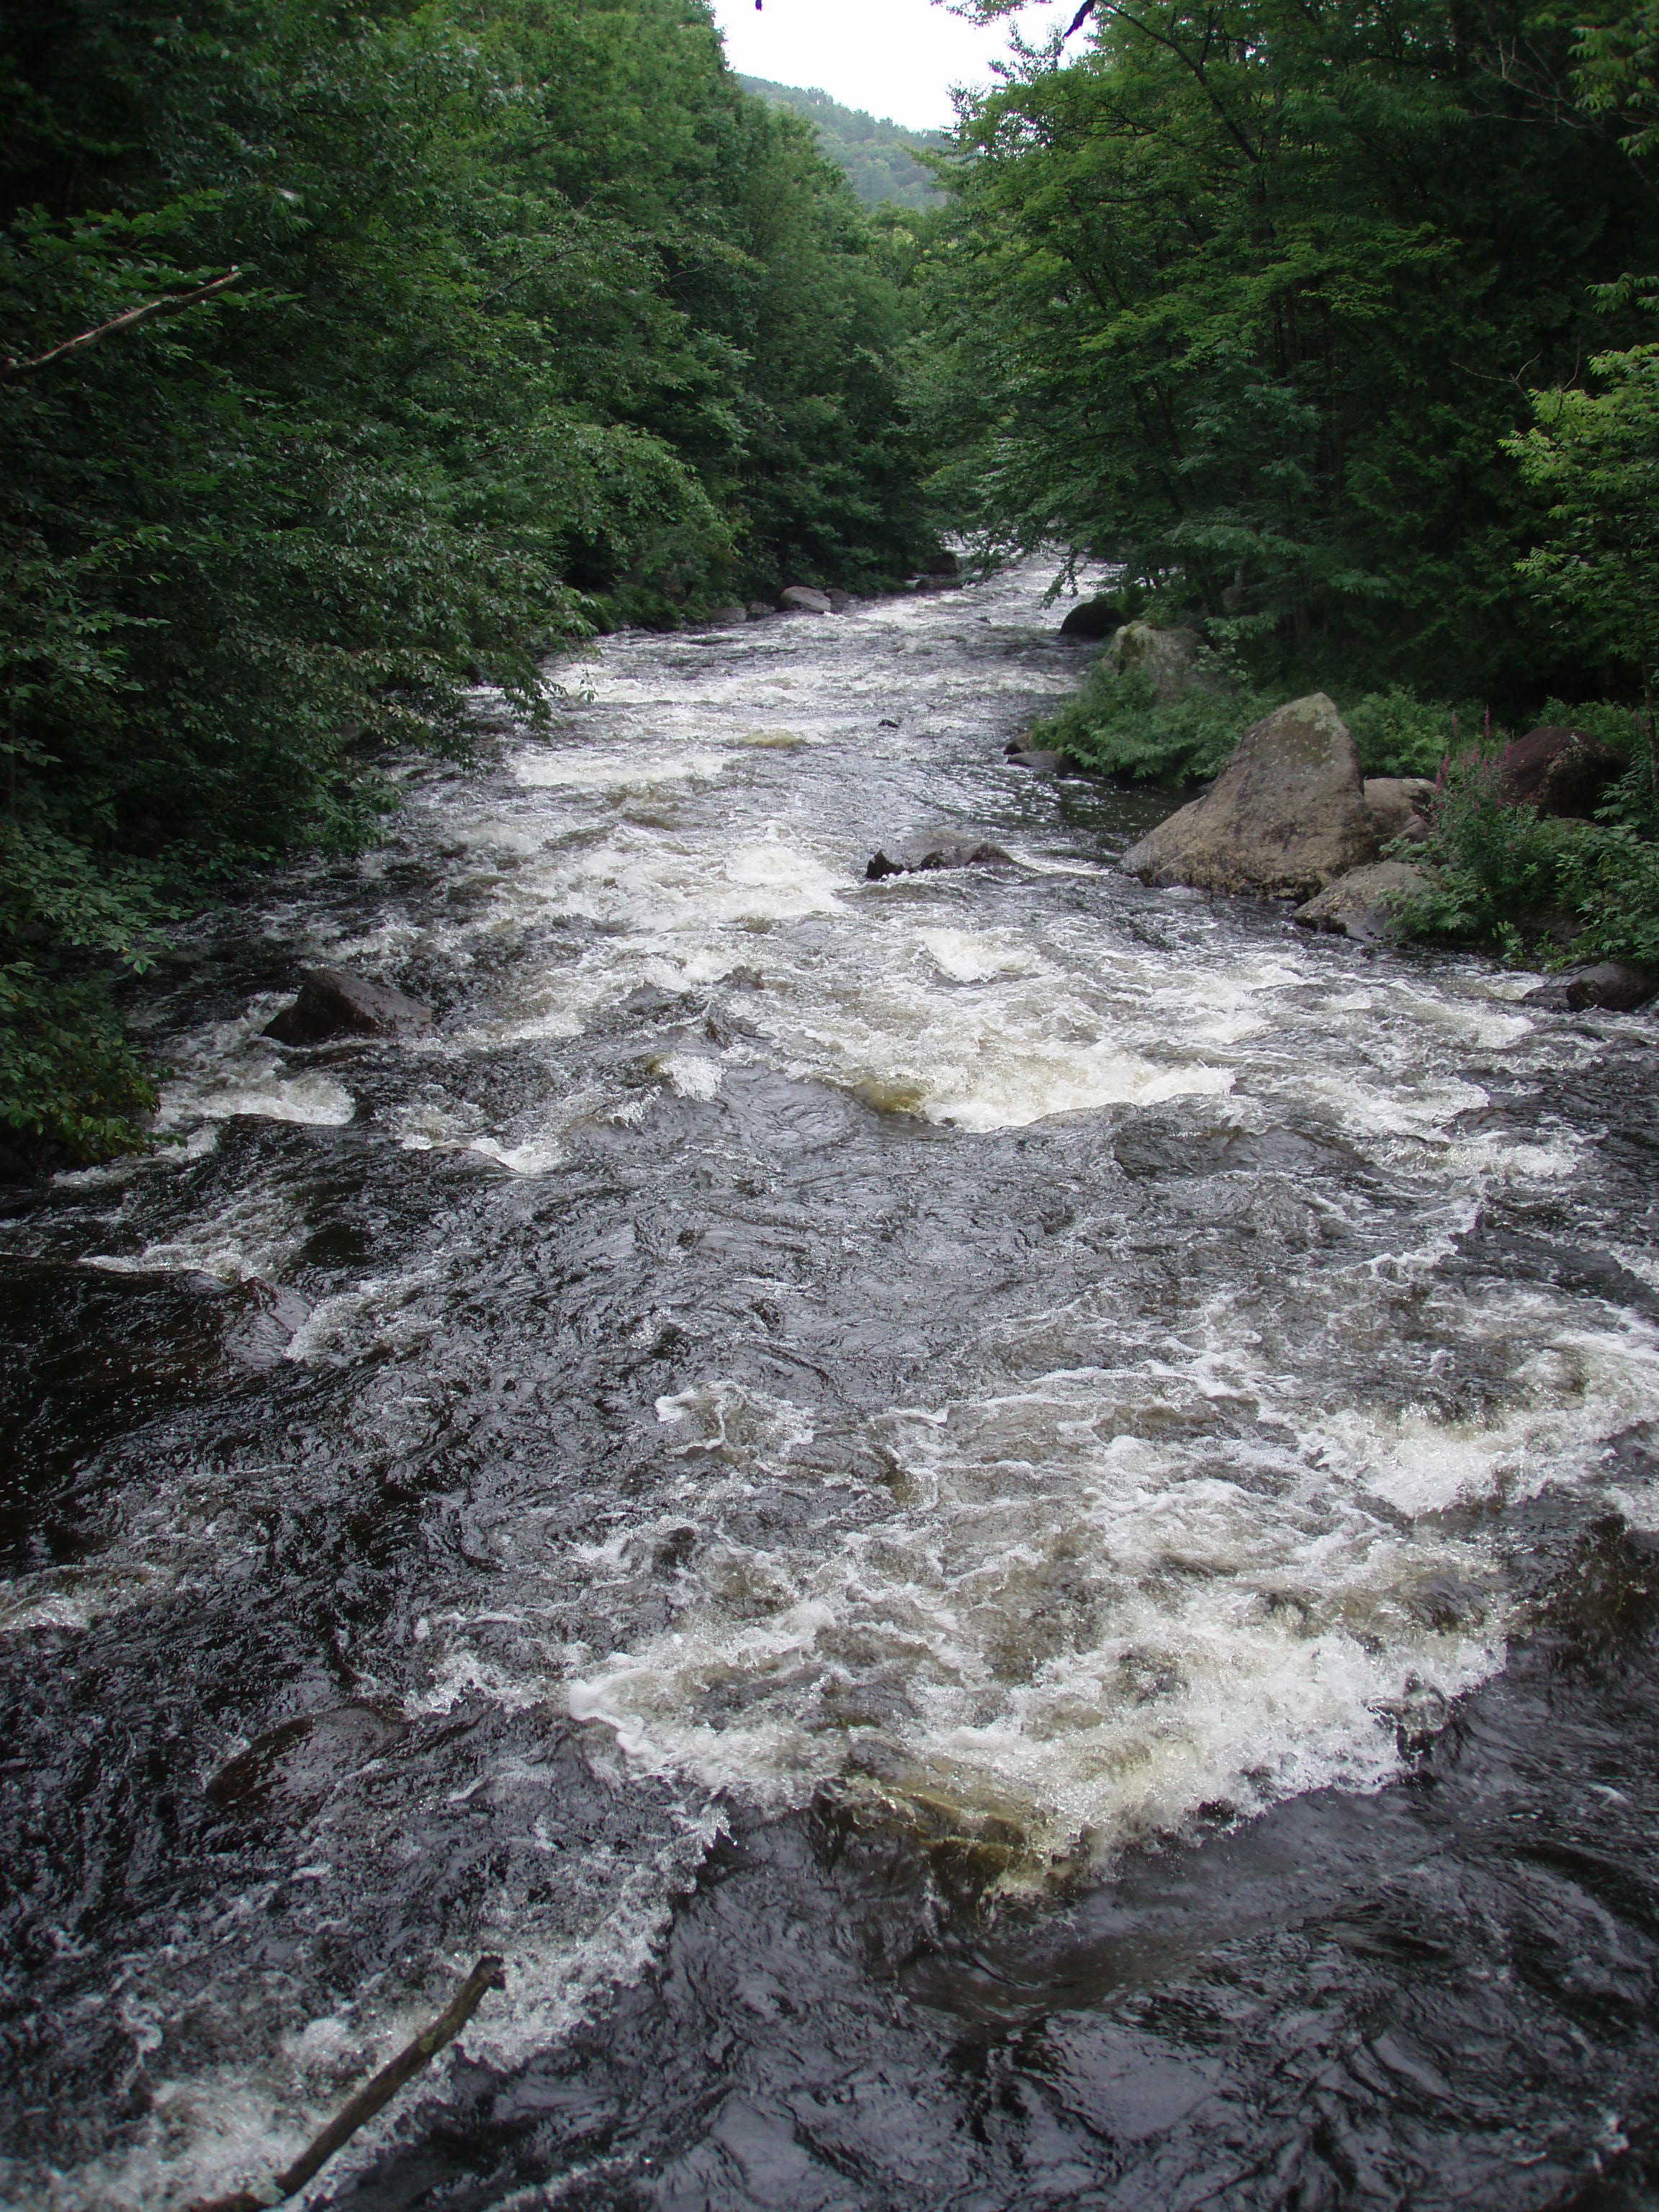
(879, 157)
(518, 317)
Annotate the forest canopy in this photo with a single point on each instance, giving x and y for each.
(1249, 296)
(538, 323)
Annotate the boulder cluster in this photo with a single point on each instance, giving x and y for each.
(1292, 816)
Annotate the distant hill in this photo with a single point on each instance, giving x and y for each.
(876, 155)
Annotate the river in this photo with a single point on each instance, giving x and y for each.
(998, 1526)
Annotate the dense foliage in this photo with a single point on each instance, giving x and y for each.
(1116, 725)
(878, 158)
(541, 322)
(1250, 294)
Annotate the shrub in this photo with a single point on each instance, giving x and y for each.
(1116, 727)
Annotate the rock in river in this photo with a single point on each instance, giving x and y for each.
(333, 1002)
(1041, 761)
(1285, 816)
(1091, 619)
(1615, 986)
(917, 856)
(1366, 903)
(801, 599)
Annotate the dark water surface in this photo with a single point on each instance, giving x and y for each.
(1003, 1529)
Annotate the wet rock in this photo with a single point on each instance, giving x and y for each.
(841, 603)
(800, 599)
(724, 618)
(1399, 805)
(297, 1764)
(745, 978)
(1366, 903)
(1173, 661)
(1559, 770)
(655, 1004)
(1091, 620)
(1285, 816)
(333, 1002)
(943, 563)
(921, 856)
(757, 609)
(1615, 986)
(1038, 760)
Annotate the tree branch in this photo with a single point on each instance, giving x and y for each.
(11, 367)
(374, 2095)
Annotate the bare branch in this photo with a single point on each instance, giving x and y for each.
(11, 367)
(373, 2096)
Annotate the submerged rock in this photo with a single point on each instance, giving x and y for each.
(299, 1762)
(1559, 770)
(333, 1002)
(801, 599)
(919, 855)
(1285, 816)
(1366, 903)
(1039, 760)
(1173, 661)
(1399, 805)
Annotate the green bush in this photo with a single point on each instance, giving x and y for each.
(1528, 887)
(1115, 727)
(1611, 880)
(1400, 734)
(70, 1084)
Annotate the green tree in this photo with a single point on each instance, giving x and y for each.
(1245, 296)
(539, 323)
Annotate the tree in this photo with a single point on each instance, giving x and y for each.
(1247, 297)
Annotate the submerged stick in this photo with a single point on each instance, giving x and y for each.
(372, 2097)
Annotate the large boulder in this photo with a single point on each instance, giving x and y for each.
(1366, 903)
(1172, 661)
(943, 563)
(1091, 620)
(1559, 770)
(921, 856)
(332, 1003)
(1399, 805)
(1285, 816)
(801, 599)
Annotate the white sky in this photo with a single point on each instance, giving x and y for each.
(895, 57)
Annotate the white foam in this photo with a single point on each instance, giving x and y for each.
(973, 957)
(1070, 1622)
(585, 770)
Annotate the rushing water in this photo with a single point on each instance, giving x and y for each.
(996, 1525)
